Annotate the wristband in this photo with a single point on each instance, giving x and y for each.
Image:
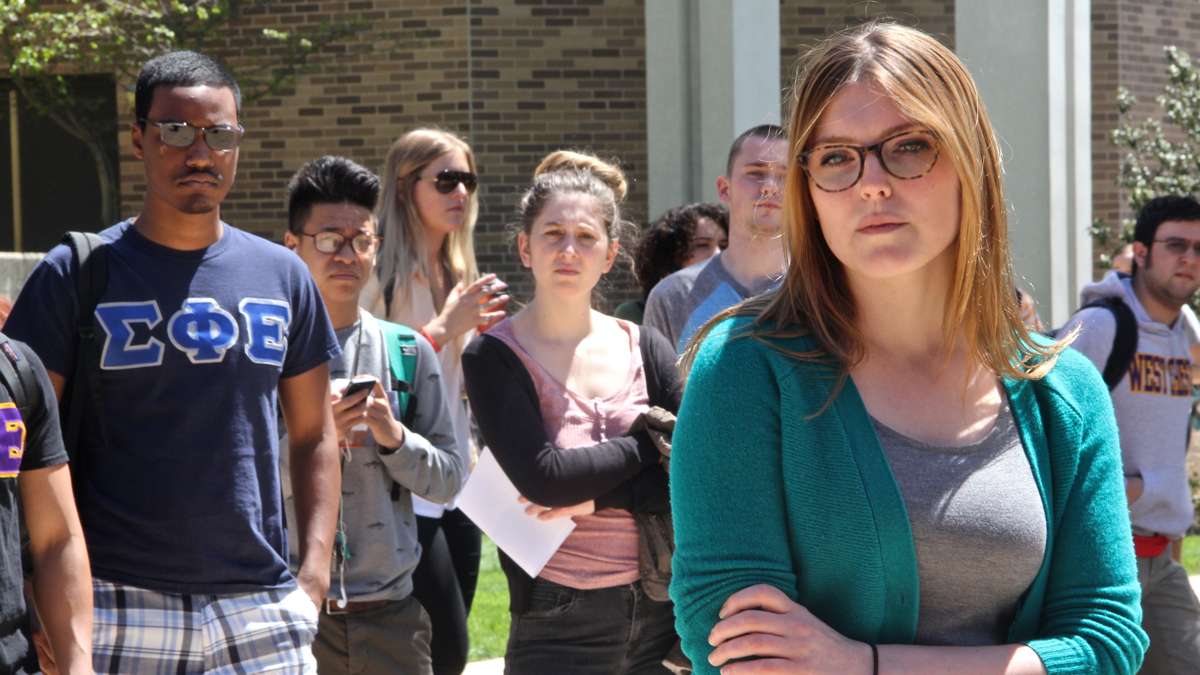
(874, 660)
(433, 343)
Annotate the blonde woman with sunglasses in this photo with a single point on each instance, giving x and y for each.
(427, 279)
(913, 482)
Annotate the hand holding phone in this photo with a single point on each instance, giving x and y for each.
(359, 383)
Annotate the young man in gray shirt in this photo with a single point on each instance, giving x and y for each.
(371, 623)
(752, 188)
(1153, 402)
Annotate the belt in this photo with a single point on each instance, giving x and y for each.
(1150, 546)
(333, 608)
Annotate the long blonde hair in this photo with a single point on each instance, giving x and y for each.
(400, 224)
(931, 87)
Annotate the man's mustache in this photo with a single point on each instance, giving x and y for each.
(199, 172)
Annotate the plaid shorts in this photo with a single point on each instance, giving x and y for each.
(141, 631)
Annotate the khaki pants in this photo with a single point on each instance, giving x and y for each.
(1170, 616)
(390, 640)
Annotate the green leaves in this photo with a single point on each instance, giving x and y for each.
(1162, 155)
(116, 37)
(1161, 161)
(45, 41)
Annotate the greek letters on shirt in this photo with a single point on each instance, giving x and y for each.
(201, 329)
(12, 440)
(1153, 374)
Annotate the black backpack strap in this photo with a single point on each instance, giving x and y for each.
(650, 369)
(17, 376)
(1125, 341)
(83, 384)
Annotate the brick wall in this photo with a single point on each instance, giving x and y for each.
(803, 22)
(549, 75)
(407, 68)
(1128, 37)
(517, 78)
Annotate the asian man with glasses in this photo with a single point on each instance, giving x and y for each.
(397, 434)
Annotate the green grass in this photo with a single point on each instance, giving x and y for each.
(488, 622)
(1191, 554)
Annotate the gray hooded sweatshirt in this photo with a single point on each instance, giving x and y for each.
(1152, 402)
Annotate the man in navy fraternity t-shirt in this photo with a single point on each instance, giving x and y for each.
(201, 325)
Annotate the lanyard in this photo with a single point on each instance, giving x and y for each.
(341, 547)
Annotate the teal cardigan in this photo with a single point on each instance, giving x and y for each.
(763, 491)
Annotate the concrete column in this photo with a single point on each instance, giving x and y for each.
(1031, 60)
(712, 71)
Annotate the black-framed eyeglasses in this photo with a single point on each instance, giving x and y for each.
(332, 242)
(448, 180)
(219, 137)
(836, 167)
(1179, 245)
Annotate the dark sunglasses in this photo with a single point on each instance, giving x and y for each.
(219, 137)
(447, 181)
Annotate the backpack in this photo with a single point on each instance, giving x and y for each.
(401, 343)
(90, 255)
(18, 378)
(1124, 342)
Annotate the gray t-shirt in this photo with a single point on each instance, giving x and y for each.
(381, 531)
(682, 302)
(979, 529)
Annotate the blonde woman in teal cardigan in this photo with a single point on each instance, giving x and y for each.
(877, 468)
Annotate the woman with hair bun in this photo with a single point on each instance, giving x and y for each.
(559, 391)
(567, 160)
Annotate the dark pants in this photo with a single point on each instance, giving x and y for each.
(1170, 616)
(392, 639)
(608, 631)
(444, 582)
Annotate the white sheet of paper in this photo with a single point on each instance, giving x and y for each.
(490, 500)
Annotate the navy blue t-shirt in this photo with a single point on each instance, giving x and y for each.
(184, 497)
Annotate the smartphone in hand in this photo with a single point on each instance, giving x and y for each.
(359, 383)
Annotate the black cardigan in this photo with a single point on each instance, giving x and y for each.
(622, 472)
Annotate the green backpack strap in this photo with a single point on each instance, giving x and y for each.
(401, 344)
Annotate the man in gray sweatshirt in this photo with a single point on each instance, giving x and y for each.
(397, 438)
(1153, 402)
